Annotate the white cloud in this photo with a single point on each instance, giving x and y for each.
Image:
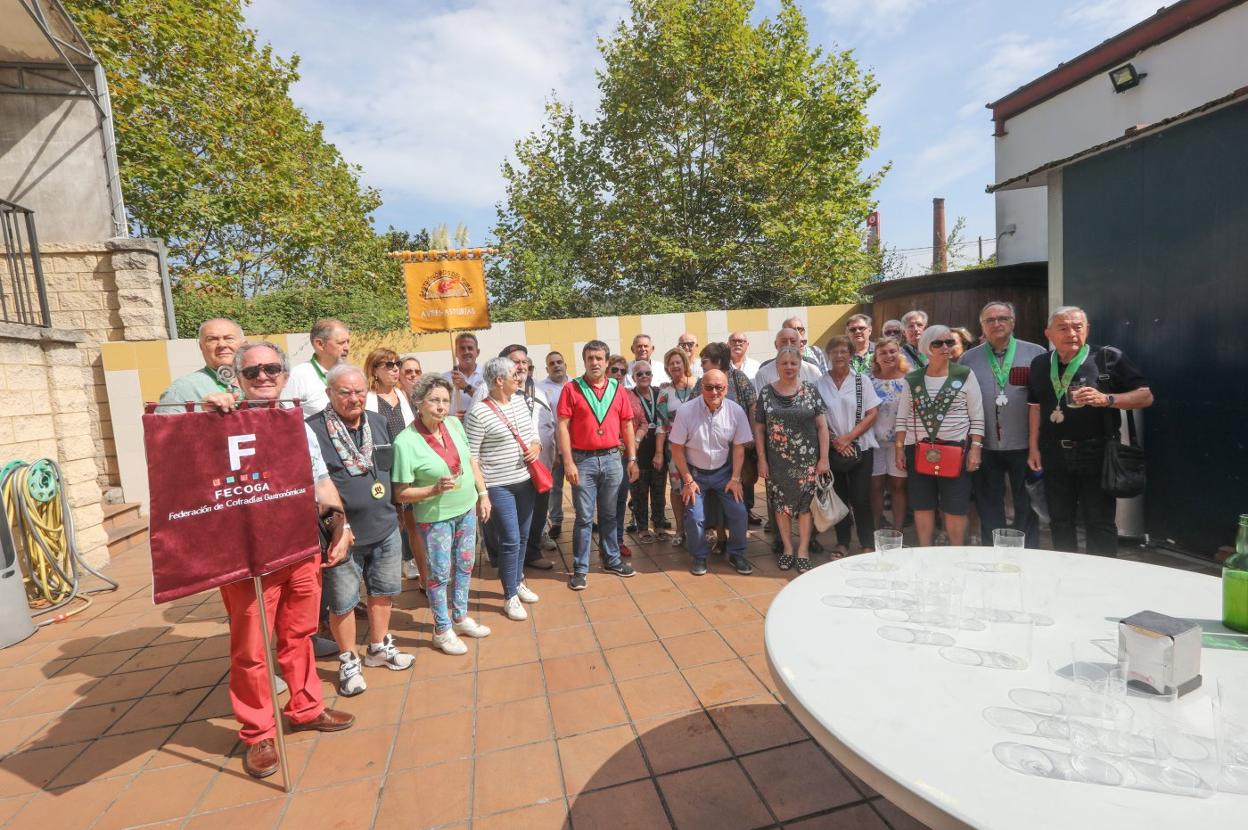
(1013, 60)
(962, 151)
(880, 18)
(430, 104)
(1113, 16)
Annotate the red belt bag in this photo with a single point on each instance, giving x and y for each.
(538, 473)
(940, 460)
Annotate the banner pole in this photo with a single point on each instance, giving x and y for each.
(270, 661)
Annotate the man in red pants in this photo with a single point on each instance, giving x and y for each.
(292, 600)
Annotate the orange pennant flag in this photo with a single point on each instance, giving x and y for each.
(446, 290)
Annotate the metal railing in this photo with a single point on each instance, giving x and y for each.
(23, 293)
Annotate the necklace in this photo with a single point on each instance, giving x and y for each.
(1001, 369)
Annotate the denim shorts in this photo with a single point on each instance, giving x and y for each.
(380, 565)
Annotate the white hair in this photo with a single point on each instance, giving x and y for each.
(914, 314)
(1062, 311)
(342, 370)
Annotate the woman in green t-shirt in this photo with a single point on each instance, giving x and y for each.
(434, 472)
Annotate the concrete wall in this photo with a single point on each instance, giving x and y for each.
(138, 372)
(1199, 65)
(52, 161)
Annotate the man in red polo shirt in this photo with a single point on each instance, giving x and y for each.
(594, 412)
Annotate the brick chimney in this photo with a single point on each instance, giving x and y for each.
(940, 257)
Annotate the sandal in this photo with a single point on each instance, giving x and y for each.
(646, 537)
(785, 561)
(804, 565)
(838, 552)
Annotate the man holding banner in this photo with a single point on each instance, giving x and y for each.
(292, 599)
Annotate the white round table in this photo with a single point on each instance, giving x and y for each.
(912, 725)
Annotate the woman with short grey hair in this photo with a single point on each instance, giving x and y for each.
(503, 441)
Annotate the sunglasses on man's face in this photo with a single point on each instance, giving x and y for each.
(270, 369)
(857, 329)
(892, 333)
(947, 344)
(643, 374)
(687, 345)
(715, 389)
(413, 373)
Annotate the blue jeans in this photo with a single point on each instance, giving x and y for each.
(621, 502)
(452, 546)
(510, 516)
(556, 491)
(599, 487)
(736, 515)
(989, 484)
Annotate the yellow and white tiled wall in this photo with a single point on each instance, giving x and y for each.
(139, 371)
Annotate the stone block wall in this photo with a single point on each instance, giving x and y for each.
(108, 291)
(45, 413)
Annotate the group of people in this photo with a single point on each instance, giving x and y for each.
(411, 468)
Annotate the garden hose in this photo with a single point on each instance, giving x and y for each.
(43, 530)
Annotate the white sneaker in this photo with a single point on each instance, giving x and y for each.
(449, 643)
(526, 593)
(514, 609)
(471, 628)
(387, 654)
(548, 543)
(410, 570)
(350, 674)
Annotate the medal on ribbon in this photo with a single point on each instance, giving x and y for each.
(379, 490)
(1001, 369)
(1062, 384)
(599, 406)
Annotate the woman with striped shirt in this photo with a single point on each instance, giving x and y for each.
(503, 464)
(941, 404)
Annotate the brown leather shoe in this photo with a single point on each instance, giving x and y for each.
(541, 563)
(330, 720)
(261, 759)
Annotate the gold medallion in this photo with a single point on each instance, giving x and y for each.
(379, 490)
(932, 455)
(1057, 417)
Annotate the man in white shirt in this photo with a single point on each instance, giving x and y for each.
(330, 344)
(688, 342)
(739, 344)
(466, 376)
(552, 386)
(768, 373)
(643, 349)
(708, 438)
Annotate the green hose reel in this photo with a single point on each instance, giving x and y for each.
(42, 482)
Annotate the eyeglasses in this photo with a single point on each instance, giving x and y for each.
(643, 374)
(716, 388)
(857, 329)
(948, 344)
(351, 393)
(989, 321)
(892, 332)
(413, 372)
(616, 370)
(389, 364)
(270, 370)
(687, 344)
(802, 329)
(738, 342)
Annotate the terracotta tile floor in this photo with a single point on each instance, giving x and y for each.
(639, 703)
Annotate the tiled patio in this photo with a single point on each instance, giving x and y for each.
(641, 703)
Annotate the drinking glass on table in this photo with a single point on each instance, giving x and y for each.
(1230, 709)
(887, 545)
(1006, 542)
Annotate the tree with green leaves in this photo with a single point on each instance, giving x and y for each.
(217, 159)
(724, 168)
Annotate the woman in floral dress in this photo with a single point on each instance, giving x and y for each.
(791, 432)
(888, 375)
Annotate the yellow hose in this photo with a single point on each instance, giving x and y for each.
(42, 527)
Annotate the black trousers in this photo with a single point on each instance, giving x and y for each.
(989, 482)
(537, 527)
(1072, 487)
(854, 488)
(649, 497)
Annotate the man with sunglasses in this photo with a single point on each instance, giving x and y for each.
(219, 338)
(708, 438)
(688, 343)
(893, 329)
(292, 597)
(858, 329)
(1002, 365)
(331, 342)
(810, 353)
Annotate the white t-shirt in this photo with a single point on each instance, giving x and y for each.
(552, 390)
(768, 373)
(460, 402)
(708, 437)
(308, 385)
(842, 405)
(749, 366)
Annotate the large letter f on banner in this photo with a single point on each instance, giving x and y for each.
(237, 451)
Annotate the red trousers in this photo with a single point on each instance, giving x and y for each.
(292, 601)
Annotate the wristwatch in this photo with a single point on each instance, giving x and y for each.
(632, 459)
(1109, 401)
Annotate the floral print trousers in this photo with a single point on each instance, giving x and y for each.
(452, 546)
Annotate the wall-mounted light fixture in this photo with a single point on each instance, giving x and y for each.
(1125, 77)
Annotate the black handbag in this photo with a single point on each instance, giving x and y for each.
(1122, 468)
(838, 463)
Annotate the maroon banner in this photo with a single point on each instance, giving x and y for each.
(232, 497)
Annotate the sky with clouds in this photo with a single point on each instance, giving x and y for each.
(429, 97)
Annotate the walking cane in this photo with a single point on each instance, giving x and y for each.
(270, 663)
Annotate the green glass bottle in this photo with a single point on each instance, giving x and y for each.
(1235, 582)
